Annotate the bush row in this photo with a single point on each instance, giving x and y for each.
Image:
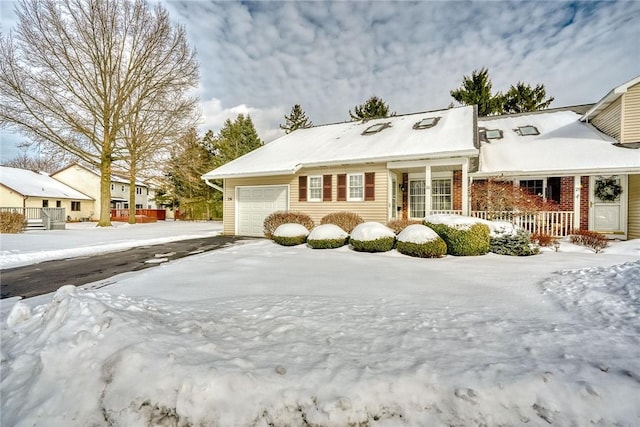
(11, 222)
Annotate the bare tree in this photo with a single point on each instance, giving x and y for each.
(69, 73)
(47, 158)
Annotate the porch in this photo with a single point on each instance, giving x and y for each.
(40, 218)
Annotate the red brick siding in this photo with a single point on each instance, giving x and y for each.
(457, 191)
(584, 203)
(566, 193)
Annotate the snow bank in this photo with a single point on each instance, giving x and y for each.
(291, 230)
(371, 231)
(327, 232)
(497, 228)
(417, 233)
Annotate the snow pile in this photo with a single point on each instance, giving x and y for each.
(291, 230)
(368, 231)
(497, 228)
(327, 232)
(417, 233)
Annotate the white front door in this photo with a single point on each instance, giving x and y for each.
(607, 214)
(254, 204)
(393, 197)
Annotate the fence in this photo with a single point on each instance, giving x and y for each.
(158, 214)
(52, 218)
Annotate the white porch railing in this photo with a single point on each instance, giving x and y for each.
(554, 223)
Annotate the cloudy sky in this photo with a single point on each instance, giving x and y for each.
(262, 57)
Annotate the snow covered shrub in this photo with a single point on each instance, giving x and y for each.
(345, 220)
(290, 234)
(514, 244)
(327, 236)
(420, 241)
(372, 237)
(11, 222)
(282, 217)
(464, 236)
(590, 239)
(397, 225)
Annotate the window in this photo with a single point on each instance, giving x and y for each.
(45, 203)
(426, 123)
(493, 133)
(138, 206)
(138, 190)
(113, 187)
(355, 191)
(417, 198)
(75, 206)
(376, 128)
(527, 130)
(554, 186)
(315, 189)
(122, 188)
(58, 204)
(441, 194)
(533, 186)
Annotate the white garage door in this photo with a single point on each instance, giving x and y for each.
(255, 204)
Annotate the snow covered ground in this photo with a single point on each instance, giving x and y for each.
(260, 334)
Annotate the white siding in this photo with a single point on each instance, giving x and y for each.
(633, 230)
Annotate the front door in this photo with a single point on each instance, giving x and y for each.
(393, 197)
(607, 208)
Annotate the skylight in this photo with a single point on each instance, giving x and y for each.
(527, 130)
(376, 128)
(493, 133)
(426, 123)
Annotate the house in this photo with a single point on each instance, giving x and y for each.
(34, 192)
(87, 180)
(584, 158)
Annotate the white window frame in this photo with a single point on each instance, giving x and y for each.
(434, 195)
(349, 187)
(319, 188)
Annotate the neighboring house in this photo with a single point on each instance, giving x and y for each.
(413, 165)
(87, 180)
(21, 188)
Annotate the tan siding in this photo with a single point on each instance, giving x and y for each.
(633, 231)
(9, 198)
(631, 115)
(609, 120)
(369, 211)
(229, 205)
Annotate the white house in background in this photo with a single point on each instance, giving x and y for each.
(87, 180)
(416, 164)
(21, 188)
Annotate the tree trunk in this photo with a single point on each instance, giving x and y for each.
(132, 195)
(105, 192)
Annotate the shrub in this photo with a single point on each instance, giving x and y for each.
(470, 240)
(289, 241)
(276, 219)
(372, 237)
(543, 239)
(345, 220)
(420, 241)
(590, 239)
(397, 225)
(517, 244)
(11, 222)
(290, 234)
(327, 236)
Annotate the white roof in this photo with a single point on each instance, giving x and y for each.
(343, 143)
(565, 145)
(609, 98)
(34, 184)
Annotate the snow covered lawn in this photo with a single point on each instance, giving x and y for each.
(261, 334)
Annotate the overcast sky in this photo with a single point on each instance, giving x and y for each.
(261, 58)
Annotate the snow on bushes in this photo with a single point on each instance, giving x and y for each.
(290, 234)
(372, 237)
(282, 217)
(345, 220)
(420, 241)
(518, 244)
(397, 225)
(327, 236)
(464, 236)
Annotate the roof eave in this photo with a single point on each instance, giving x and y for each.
(558, 172)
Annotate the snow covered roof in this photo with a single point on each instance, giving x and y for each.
(564, 145)
(34, 184)
(609, 98)
(114, 178)
(345, 143)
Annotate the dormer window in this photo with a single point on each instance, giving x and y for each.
(426, 123)
(493, 134)
(376, 128)
(527, 130)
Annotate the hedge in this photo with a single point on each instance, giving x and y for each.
(464, 241)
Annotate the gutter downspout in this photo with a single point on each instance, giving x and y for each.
(212, 185)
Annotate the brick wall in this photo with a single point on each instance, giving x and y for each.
(566, 193)
(457, 191)
(584, 202)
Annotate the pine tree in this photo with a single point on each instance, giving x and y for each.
(235, 139)
(476, 90)
(297, 119)
(522, 98)
(372, 108)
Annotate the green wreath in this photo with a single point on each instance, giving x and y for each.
(608, 189)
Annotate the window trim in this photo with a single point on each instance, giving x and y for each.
(355, 199)
(320, 188)
(519, 131)
(378, 127)
(420, 125)
(73, 203)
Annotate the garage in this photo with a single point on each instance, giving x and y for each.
(254, 204)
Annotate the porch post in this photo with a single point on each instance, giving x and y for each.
(427, 189)
(465, 187)
(576, 201)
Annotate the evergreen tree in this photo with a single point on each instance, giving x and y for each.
(372, 108)
(476, 90)
(522, 98)
(235, 139)
(297, 119)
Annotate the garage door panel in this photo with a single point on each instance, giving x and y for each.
(254, 204)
